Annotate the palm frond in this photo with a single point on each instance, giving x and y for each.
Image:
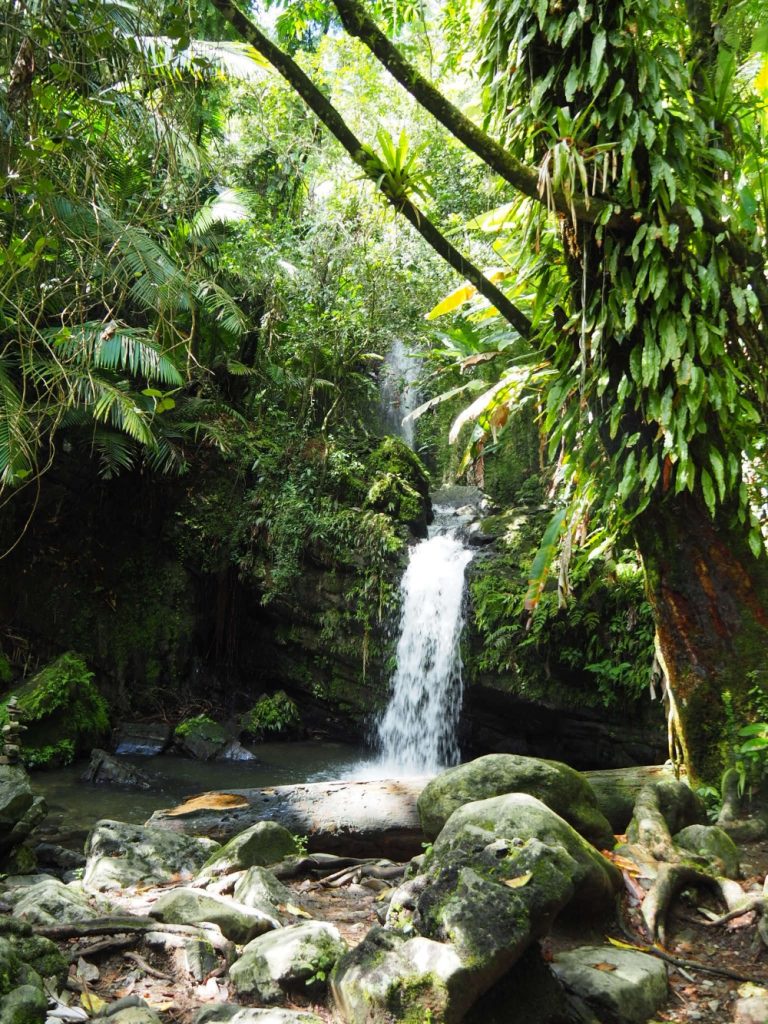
(114, 346)
(228, 207)
(227, 59)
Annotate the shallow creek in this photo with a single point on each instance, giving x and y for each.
(74, 806)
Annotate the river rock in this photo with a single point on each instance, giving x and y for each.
(105, 770)
(235, 751)
(134, 1015)
(389, 977)
(713, 843)
(52, 902)
(561, 788)
(25, 1004)
(25, 960)
(230, 1013)
(120, 855)
(260, 889)
(264, 843)
(20, 810)
(193, 906)
(622, 986)
(273, 964)
(141, 739)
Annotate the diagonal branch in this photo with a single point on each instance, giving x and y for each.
(336, 124)
(525, 179)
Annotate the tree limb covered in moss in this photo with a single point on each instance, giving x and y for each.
(336, 124)
(525, 179)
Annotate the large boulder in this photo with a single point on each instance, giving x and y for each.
(389, 977)
(561, 788)
(622, 986)
(264, 843)
(498, 875)
(299, 956)
(259, 888)
(20, 809)
(52, 902)
(712, 843)
(120, 855)
(193, 906)
(230, 1013)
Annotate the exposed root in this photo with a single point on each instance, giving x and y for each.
(670, 880)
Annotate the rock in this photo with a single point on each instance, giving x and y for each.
(108, 771)
(235, 751)
(229, 1013)
(120, 855)
(141, 739)
(260, 889)
(359, 819)
(713, 843)
(26, 1004)
(752, 1005)
(561, 788)
(52, 902)
(296, 956)
(134, 1015)
(201, 738)
(388, 977)
(193, 906)
(58, 858)
(20, 810)
(622, 986)
(199, 958)
(266, 842)
(748, 830)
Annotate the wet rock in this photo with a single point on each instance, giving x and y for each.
(201, 738)
(52, 902)
(106, 770)
(20, 810)
(297, 956)
(230, 1013)
(622, 986)
(235, 751)
(264, 843)
(141, 739)
(120, 855)
(58, 858)
(561, 788)
(193, 906)
(714, 844)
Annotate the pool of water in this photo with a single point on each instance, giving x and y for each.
(74, 806)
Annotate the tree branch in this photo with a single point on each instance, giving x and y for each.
(525, 179)
(336, 124)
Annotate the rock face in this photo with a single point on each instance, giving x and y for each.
(622, 986)
(20, 810)
(498, 875)
(120, 855)
(561, 788)
(293, 957)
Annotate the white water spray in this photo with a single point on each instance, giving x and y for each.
(399, 391)
(417, 734)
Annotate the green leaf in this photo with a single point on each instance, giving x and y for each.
(543, 559)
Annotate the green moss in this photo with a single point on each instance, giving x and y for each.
(201, 726)
(63, 711)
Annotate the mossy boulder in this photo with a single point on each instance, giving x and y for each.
(63, 711)
(714, 844)
(299, 957)
(52, 902)
(119, 855)
(193, 906)
(264, 843)
(26, 960)
(201, 737)
(399, 485)
(20, 810)
(561, 788)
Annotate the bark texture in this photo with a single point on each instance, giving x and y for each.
(710, 603)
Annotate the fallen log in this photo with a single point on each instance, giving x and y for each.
(368, 818)
(616, 789)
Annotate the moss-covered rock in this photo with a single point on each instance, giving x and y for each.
(299, 956)
(63, 711)
(399, 485)
(201, 737)
(274, 715)
(264, 843)
(25, 962)
(561, 788)
(714, 844)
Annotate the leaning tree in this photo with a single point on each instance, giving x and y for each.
(633, 132)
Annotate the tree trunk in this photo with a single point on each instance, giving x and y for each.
(709, 596)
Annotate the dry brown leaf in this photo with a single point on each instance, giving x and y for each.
(604, 966)
(520, 881)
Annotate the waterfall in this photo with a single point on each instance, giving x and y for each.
(398, 391)
(417, 733)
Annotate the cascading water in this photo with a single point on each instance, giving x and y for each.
(417, 733)
(399, 391)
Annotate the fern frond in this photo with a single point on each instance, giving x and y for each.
(114, 346)
(228, 207)
(15, 431)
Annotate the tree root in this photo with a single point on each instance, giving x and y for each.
(134, 925)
